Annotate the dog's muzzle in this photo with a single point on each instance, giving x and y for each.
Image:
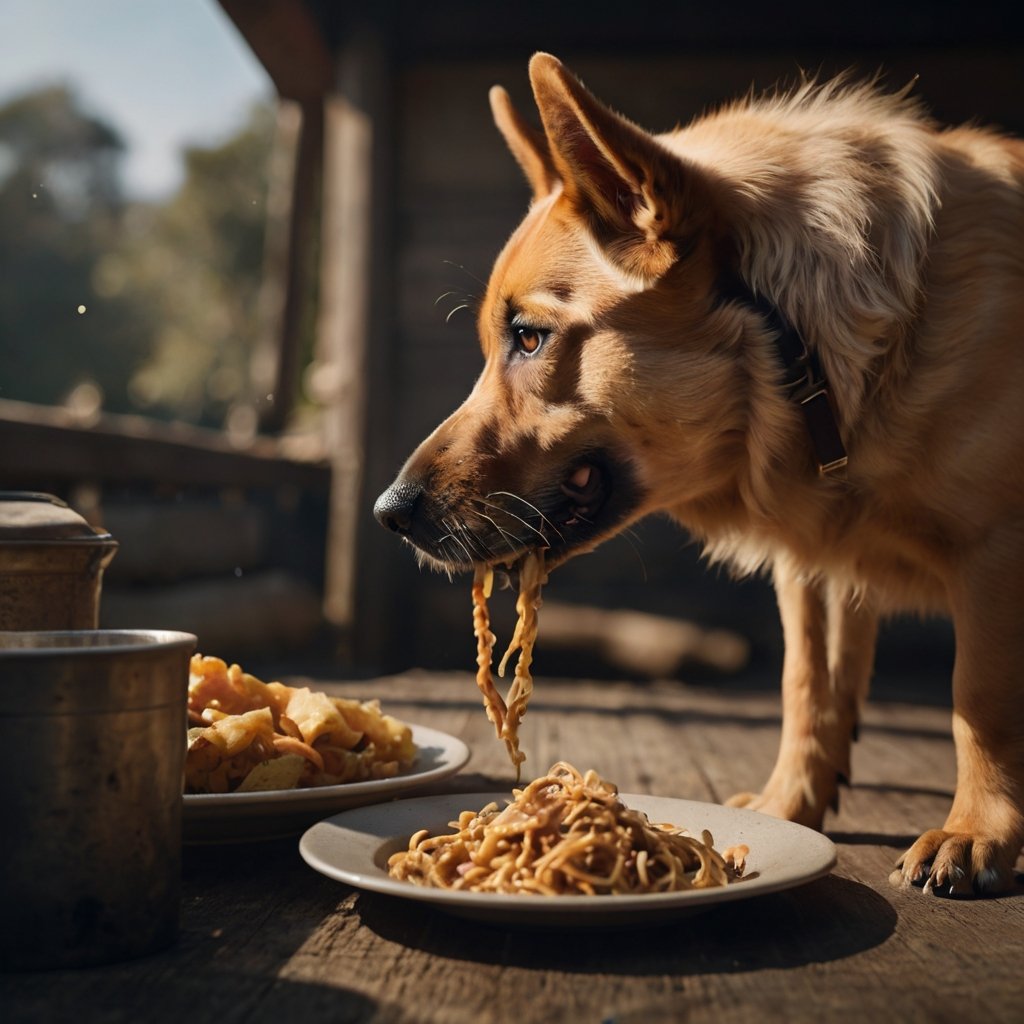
(581, 503)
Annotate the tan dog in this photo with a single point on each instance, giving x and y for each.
(644, 333)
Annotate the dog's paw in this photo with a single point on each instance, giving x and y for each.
(956, 864)
(793, 806)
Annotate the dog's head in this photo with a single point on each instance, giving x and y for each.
(609, 387)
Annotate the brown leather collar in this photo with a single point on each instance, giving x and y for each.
(804, 381)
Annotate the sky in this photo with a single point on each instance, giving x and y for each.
(164, 73)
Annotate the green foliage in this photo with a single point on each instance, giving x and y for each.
(198, 261)
(170, 292)
(59, 208)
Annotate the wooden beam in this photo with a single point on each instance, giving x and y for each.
(288, 42)
(44, 443)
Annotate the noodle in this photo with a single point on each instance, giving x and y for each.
(564, 834)
(507, 717)
(483, 578)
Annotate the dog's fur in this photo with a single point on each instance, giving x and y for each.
(626, 373)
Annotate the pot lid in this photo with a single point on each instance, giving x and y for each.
(30, 515)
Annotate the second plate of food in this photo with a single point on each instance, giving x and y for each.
(354, 847)
(269, 814)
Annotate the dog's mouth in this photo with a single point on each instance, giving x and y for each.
(586, 489)
(561, 518)
(567, 522)
(584, 503)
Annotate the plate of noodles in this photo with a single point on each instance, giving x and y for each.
(566, 850)
(269, 814)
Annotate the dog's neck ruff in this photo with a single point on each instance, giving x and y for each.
(805, 382)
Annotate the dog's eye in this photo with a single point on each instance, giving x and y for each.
(528, 340)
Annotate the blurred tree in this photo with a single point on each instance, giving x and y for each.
(154, 307)
(60, 208)
(199, 262)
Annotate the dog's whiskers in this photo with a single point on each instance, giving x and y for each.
(475, 547)
(520, 519)
(452, 535)
(505, 535)
(465, 302)
(459, 266)
(533, 508)
(477, 543)
(633, 540)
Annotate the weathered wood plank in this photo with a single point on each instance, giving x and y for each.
(43, 443)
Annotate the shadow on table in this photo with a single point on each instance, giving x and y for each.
(826, 920)
(238, 929)
(898, 841)
(210, 997)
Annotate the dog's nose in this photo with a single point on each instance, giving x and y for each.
(395, 508)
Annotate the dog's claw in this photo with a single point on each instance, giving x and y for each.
(953, 864)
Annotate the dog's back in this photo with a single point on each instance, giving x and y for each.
(899, 249)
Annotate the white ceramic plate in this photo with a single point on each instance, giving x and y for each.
(353, 847)
(228, 817)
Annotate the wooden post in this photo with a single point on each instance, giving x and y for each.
(293, 203)
(355, 115)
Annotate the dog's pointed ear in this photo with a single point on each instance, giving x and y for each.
(640, 198)
(528, 145)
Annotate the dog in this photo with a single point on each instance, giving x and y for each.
(796, 326)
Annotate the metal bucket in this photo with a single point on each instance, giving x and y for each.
(51, 564)
(92, 743)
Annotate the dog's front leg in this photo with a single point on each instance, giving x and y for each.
(977, 846)
(830, 643)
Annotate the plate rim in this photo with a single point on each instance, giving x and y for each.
(526, 906)
(456, 755)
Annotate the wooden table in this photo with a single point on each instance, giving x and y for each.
(266, 938)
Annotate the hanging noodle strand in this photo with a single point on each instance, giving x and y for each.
(507, 717)
(483, 580)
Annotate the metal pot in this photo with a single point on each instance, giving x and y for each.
(51, 564)
(92, 746)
